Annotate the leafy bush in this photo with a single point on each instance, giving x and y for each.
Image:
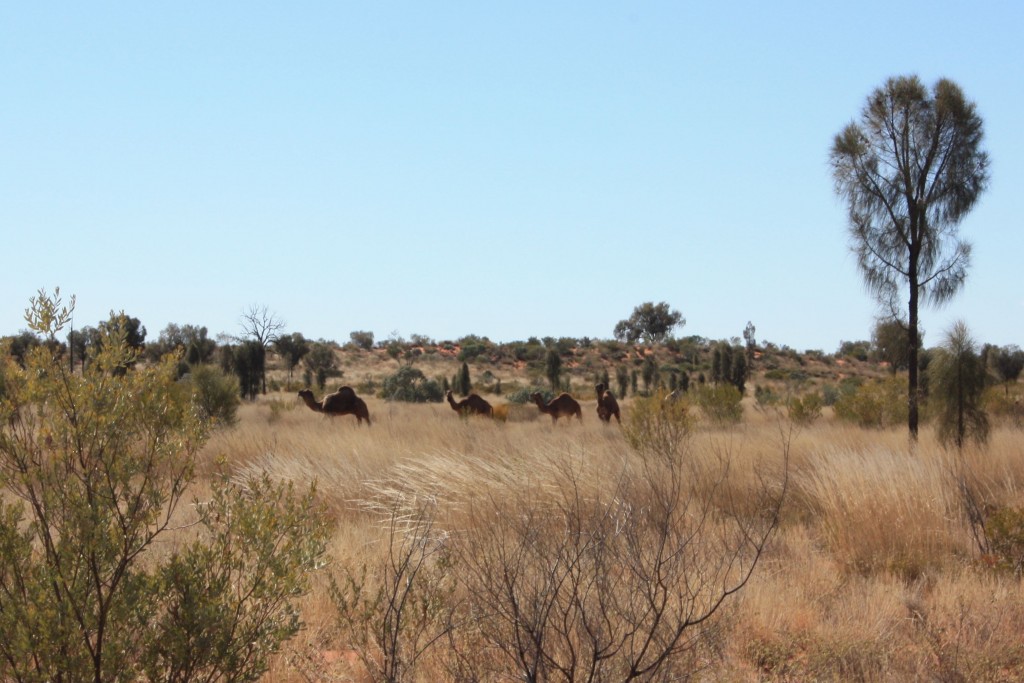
(410, 384)
(879, 403)
(321, 363)
(93, 466)
(529, 352)
(522, 396)
(765, 397)
(361, 339)
(957, 379)
(720, 403)
(805, 409)
(999, 404)
(215, 393)
(857, 350)
(1004, 530)
(470, 352)
(657, 425)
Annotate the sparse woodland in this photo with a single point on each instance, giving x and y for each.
(791, 532)
(516, 548)
(496, 549)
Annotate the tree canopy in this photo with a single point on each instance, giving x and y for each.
(909, 170)
(650, 323)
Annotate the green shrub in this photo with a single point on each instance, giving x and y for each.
(522, 396)
(468, 353)
(1000, 405)
(764, 397)
(1004, 530)
(362, 339)
(829, 394)
(657, 426)
(410, 384)
(215, 393)
(804, 410)
(720, 403)
(95, 584)
(879, 403)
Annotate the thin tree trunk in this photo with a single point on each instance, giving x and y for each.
(912, 379)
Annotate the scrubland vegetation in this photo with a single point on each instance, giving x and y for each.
(786, 530)
(886, 564)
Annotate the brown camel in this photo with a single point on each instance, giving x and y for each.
(607, 405)
(471, 405)
(342, 402)
(562, 405)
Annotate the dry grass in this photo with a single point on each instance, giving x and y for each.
(873, 574)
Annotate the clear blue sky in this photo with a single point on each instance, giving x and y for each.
(468, 167)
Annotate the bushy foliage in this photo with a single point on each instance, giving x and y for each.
(553, 368)
(878, 403)
(190, 340)
(765, 398)
(720, 403)
(223, 604)
(522, 396)
(471, 352)
(657, 424)
(471, 346)
(19, 345)
(216, 393)
(649, 323)
(94, 467)
(957, 380)
(1004, 531)
(806, 409)
(857, 350)
(292, 349)
(321, 363)
(362, 339)
(890, 344)
(999, 404)
(248, 361)
(1007, 362)
(411, 385)
(531, 351)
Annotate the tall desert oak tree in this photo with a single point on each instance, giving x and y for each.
(909, 170)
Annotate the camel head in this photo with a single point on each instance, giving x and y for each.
(307, 397)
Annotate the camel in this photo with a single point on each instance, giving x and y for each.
(471, 405)
(562, 405)
(607, 405)
(342, 402)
